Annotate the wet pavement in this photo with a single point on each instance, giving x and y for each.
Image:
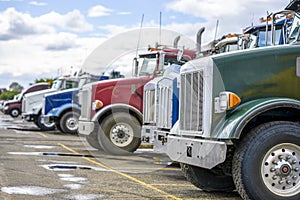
(52, 165)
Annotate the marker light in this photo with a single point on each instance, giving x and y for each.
(97, 104)
(234, 100)
(226, 101)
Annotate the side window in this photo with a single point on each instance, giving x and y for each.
(71, 84)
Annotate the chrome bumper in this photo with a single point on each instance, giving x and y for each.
(197, 152)
(86, 127)
(147, 134)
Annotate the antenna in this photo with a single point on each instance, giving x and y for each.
(139, 40)
(216, 31)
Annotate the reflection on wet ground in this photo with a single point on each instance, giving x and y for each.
(31, 190)
(50, 154)
(65, 167)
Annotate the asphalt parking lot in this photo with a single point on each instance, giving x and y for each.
(51, 165)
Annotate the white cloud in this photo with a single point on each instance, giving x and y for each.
(73, 21)
(233, 15)
(124, 13)
(15, 24)
(99, 11)
(35, 3)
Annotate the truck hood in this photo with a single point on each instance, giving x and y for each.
(39, 93)
(121, 81)
(12, 102)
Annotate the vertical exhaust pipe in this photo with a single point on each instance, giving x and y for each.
(176, 40)
(199, 37)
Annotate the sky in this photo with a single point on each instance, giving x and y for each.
(49, 38)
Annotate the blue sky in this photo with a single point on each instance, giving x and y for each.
(44, 38)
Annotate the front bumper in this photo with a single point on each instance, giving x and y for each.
(85, 127)
(147, 133)
(45, 119)
(198, 152)
(29, 116)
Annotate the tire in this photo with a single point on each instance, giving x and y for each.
(57, 124)
(267, 161)
(44, 127)
(69, 122)
(208, 180)
(92, 139)
(14, 113)
(119, 134)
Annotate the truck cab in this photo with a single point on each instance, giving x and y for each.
(239, 121)
(14, 107)
(62, 107)
(111, 110)
(33, 102)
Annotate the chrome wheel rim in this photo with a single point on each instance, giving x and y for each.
(280, 169)
(121, 134)
(72, 123)
(15, 113)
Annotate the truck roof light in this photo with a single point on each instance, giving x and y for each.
(97, 104)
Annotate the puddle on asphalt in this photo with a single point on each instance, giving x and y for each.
(75, 179)
(31, 190)
(86, 196)
(49, 154)
(23, 132)
(73, 186)
(40, 146)
(57, 161)
(65, 167)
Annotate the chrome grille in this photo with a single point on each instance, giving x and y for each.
(191, 101)
(149, 106)
(164, 117)
(85, 102)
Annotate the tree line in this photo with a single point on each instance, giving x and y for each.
(15, 88)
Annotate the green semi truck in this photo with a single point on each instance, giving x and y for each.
(239, 119)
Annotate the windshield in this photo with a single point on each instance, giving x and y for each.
(57, 84)
(262, 38)
(148, 66)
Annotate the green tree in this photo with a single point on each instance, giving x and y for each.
(42, 80)
(15, 86)
(8, 94)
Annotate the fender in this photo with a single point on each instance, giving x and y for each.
(240, 116)
(56, 112)
(117, 108)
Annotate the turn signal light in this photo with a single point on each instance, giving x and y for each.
(226, 101)
(234, 100)
(97, 104)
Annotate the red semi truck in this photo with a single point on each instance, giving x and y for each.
(111, 111)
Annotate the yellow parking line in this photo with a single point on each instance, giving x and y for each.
(43, 135)
(123, 174)
(173, 185)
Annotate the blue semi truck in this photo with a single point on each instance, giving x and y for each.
(62, 107)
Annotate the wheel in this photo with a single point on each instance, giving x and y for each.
(92, 139)
(57, 124)
(44, 126)
(119, 134)
(209, 180)
(69, 122)
(14, 112)
(267, 161)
